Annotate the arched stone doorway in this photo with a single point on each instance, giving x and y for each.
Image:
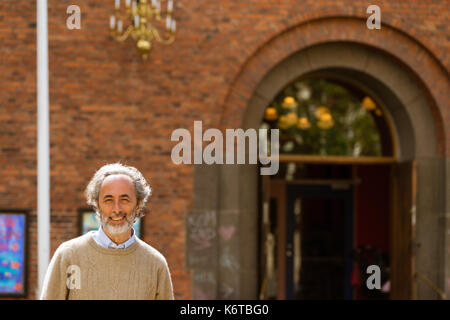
(326, 214)
(233, 189)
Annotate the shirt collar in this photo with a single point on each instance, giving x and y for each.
(102, 239)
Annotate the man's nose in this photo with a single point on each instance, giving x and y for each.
(116, 208)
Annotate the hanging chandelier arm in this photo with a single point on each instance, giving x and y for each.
(125, 35)
(158, 37)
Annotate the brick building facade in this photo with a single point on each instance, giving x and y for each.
(107, 105)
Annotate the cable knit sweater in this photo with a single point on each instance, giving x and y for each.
(82, 269)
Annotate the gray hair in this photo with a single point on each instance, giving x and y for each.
(142, 188)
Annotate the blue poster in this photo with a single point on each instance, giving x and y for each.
(12, 253)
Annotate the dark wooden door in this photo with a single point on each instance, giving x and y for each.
(319, 238)
(403, 207)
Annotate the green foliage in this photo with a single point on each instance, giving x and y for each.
(353, 133)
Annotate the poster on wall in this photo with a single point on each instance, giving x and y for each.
(13, 239)
(89, 222)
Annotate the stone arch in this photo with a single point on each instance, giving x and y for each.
(423, 67)
(378, 63)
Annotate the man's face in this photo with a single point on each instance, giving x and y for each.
(117, 204)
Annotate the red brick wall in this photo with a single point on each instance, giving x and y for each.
(18, 116)
(107, 105)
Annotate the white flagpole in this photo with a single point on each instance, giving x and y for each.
(43, 154)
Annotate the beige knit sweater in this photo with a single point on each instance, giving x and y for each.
(82, 269)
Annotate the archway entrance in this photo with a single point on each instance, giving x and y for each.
(235, 188)
(318, 235)
(333, 208)
(405, 106)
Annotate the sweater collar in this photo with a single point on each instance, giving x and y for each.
(102, 239)
(110, 251)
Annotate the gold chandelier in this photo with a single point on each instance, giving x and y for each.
(141, 14)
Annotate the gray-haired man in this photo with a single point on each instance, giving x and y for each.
(111, 263)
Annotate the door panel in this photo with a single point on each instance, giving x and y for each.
(318, 242)
(403, 186)
(273, 223)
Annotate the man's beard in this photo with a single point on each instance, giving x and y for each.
(121, 228)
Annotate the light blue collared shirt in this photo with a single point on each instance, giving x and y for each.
(103, 240)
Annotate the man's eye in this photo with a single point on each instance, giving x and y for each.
(108, 200)
(125, 200)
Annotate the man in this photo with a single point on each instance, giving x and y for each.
(111, 263)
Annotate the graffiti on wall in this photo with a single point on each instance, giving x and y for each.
(201, 238)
